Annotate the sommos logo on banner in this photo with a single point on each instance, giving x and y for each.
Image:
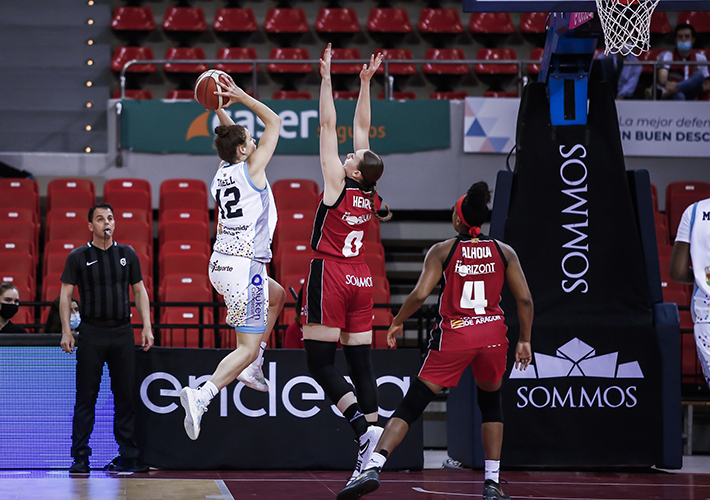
(397, 127)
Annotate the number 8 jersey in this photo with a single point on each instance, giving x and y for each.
(246, 214)
(340, 230)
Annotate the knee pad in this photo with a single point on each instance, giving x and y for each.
(363, 376)
(321, 356)
(491, 405)
(415, 401)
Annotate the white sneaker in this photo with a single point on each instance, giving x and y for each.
(195, 406)
(366, 447)
(253, 377)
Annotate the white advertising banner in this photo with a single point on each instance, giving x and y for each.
(648, 128)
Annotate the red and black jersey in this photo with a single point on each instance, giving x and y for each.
(340, 230)
(469, 314)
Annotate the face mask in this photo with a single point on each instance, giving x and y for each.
(684, 46)
(74, 321)
(8, 310)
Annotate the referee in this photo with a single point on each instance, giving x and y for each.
(103, 270)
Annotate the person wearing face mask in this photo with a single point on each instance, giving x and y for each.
(681, 82)
(9, 304)
(54, 322)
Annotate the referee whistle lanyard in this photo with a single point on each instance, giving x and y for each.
(474, 231)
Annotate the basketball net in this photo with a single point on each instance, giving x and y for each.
(626, 24)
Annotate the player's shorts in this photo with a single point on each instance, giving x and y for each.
(338, 294)
(245, 287)
(702, 345)
(445, 368)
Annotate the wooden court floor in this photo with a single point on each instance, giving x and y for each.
(429, 484)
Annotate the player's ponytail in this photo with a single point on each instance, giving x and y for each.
(472, 208)
(371, 168)
(387, 217)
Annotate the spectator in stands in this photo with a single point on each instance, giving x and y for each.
(293, 338)
(54, 321)
(455, 343)
(246, 222)
(682, 82)
(691, 245)
(9, 304)
(624, 77)
(103, 271)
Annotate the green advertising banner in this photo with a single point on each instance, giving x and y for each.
(185, 127)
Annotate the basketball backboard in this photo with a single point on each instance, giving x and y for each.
(570, 5)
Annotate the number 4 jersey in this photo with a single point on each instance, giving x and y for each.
(339, 230)
(469, 314)
(247, 214)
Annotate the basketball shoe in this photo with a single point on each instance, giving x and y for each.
(253, 377)
(195, 406)
(493, 491)
(366, 446)
(366, 482)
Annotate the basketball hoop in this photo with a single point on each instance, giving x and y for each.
(626, 24)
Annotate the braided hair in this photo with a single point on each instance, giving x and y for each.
(371, 168)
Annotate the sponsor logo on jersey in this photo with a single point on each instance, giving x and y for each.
(471, 269)
(225, 182)
(478, 320)
(216, 268)
(476, 252)
(233, 231)
(358, 280)
(355, 220)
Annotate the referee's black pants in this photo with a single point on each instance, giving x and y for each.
(114, 346)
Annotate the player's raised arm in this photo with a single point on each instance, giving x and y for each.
(362, 118)
(333, 172)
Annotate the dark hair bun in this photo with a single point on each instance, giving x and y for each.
(221, 130)
(479, 194)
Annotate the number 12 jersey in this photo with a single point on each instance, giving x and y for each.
(246, 214)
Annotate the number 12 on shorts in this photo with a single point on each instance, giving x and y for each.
(474, 296)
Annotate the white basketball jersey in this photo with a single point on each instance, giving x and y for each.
(246, 214)
(696, 231)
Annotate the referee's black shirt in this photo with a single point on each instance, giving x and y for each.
(103, 277)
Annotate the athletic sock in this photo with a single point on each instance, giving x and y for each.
(377, 460)
(209, 390)
(260, 358)
(357, 419)
(493, 470)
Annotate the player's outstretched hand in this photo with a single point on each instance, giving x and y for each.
(325, 62)
(367, 72)
(523, 355)
(394, 331)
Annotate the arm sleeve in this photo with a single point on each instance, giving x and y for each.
(70, 274)
(135, 274)
(684, 226)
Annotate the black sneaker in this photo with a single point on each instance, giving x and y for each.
(493, 491)
(367, 482)
(122, 464)
(80, 466)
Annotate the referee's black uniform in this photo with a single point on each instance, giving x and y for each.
(106, 335)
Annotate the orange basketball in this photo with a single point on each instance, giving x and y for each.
(207, 83)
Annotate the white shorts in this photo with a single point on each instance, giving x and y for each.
(702, 345)
(245, 287)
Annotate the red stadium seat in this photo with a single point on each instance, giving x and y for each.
(649, 56)
(337, 21)
(190, 247)
(291, 94)
(186, 337)
(381, 318)
(293, 263)
(131, 214)
(278, 53)
(491, 23)
(305, 201)
(171, 281)
(679, 195)
(679, 297)
(180, 95)
(445, 69)
(660, 24)
(134, 230)
(397, 68)
(286, 20)
(457, 95)
(654, 197)
(536, 55)
(17, 199)
(71, 199)
(236, 53)
(134, 200)
(70, 184)
(61, 247)
(17, 262)
(496, 69)
(388, 20)
(299, 233)
(177, 53)
(183, 185)
(700, 20)
(346, 94)
(235, 20)
(184, 231)
(186, 200)
(184, 19)
(19, 230)
(533, 22)
(376, 263)
(22, 214)
(132, 18)
(183, 263)
(438, 21)
(380, 295)
(54, 262)
(126, 184)
(344, 55)
(68, 230)
(399, 96)
(11, 245)
(662, 233)
(295, 185)
(187, 214)
(121, 55)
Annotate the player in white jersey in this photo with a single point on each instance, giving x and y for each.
(692, 244)
(246, 222)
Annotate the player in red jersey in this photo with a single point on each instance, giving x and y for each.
(469, 332)
(338, 293)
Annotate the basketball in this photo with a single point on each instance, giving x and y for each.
(207, 83)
